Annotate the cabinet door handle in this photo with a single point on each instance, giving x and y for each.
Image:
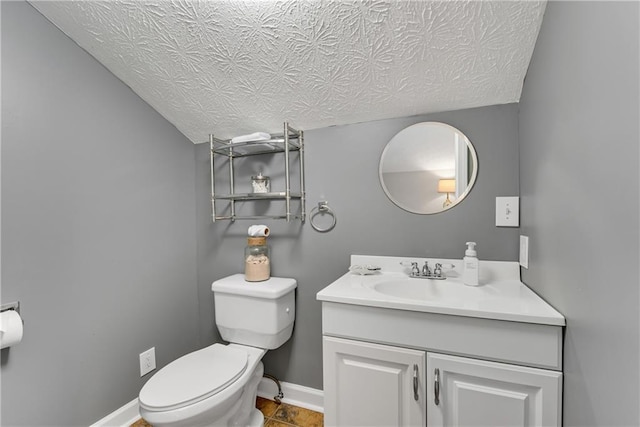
(415, 382)
(436, 387)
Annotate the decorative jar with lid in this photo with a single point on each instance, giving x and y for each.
(260, 183)
(257, 266)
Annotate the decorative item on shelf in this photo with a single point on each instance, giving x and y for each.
(257, 265)
(260, 183)
(446, 186)
(256, 136)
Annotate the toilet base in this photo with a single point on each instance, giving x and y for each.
(256, 419)
(247, 414)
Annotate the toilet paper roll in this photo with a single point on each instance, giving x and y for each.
(10, 328)
(259, 231)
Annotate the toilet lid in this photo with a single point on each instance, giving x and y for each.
(194, 377)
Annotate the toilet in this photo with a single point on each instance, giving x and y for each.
(217, 385)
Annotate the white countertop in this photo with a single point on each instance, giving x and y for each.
(500, 296)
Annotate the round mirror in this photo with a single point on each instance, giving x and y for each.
(428, 168)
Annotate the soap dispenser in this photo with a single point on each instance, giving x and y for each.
(471, 269)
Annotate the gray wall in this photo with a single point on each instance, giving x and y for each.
(98, 230)
(101, 205)
(342, 168)
(579, 180)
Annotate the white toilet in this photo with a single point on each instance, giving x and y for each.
(217, 385)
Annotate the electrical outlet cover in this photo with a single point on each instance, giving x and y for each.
(147, 361)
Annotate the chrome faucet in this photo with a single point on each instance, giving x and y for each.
(427, 273)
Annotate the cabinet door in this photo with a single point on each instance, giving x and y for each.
(470, 392)
(372, 385)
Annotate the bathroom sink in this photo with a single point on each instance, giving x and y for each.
(414, 289)
(433, 291)
(500, 296)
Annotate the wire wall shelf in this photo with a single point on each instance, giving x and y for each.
(291, 140)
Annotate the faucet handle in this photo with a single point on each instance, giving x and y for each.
(415, 271)
(438, 270)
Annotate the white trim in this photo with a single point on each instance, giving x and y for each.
(294, 394)
(121, 417)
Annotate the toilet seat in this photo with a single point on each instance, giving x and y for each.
(194, 377)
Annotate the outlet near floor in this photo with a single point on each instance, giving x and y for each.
(147, 361)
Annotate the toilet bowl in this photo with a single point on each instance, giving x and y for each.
(217, 385)
(205, 388)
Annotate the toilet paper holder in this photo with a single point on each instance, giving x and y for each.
(10, 306)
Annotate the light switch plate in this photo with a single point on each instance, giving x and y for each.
(524, 251)
(507, 211)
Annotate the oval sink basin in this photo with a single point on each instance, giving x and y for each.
(434, 291)
(417, 289)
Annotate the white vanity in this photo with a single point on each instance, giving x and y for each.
(400, 351)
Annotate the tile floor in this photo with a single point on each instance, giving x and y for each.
(282, 415)
(285, 415)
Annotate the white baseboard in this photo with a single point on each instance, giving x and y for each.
(122, 417)
(294, 394)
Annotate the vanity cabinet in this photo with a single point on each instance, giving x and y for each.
(470, 392)
(409, 352)
(367, 384)
(224, 205)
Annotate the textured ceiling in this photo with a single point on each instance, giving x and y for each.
(233, 67)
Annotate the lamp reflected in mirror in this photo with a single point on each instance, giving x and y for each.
(447, 186)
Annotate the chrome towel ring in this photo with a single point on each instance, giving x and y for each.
(322, 209)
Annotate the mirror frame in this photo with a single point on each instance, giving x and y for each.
(457, 201)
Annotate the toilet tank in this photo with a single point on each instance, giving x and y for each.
(258, 314)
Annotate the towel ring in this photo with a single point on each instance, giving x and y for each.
(322, 208)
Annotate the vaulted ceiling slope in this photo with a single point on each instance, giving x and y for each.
(233, 67)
